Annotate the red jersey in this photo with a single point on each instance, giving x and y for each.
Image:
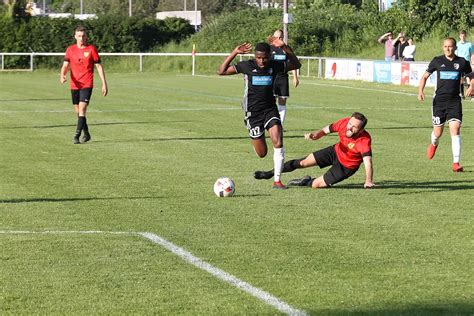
(82, 61)
(350, 151)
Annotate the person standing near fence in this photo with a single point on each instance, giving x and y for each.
(447, 106)
(80, 59)
(281, 87)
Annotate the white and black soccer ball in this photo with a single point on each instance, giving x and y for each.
(224, 187)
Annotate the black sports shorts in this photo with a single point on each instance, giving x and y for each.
(257, 122)
(327, 157)
(446, 109)
(81, 95)
(281, 86)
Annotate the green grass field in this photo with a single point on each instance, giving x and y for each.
(71, 214)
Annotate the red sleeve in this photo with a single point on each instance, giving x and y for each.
(365, 147)
(67, 56)
(95, 55)
(334, 127)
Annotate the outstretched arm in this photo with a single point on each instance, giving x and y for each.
(470, 90)
(64, 69)
(296, 80)
(100, 70)
(318, 133)
(421, 87)
(224, 68)
(381, 38)
(369, 172)
(293, 62)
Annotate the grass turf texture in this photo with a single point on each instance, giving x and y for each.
(159, 143)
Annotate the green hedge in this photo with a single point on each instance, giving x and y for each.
(109, 33)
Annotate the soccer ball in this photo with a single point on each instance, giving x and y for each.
(224, 187)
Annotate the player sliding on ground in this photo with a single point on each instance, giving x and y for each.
(259, 104)
(345, 157)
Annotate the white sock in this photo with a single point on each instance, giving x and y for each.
(278, 159)
(434, 139)
(282, 111)
(456, 147)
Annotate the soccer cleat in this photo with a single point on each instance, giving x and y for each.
(259, 175)
(457, 167)
(279, 186)
(75, 140)
(86, 137)
(431, 151)
(301, 182)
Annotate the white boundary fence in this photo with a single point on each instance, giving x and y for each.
(400, 73)
(193, 58)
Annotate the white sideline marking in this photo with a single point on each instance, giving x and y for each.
(224, 276)
(266, 297)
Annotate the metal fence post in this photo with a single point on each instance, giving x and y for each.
(31, 61)
(141, 62)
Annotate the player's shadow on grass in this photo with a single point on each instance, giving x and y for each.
(415, 187)
(23, 100)
(442, 308)
(50, 200)
(93, 124)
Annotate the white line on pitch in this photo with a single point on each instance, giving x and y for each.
(224, 276)
(260, 294)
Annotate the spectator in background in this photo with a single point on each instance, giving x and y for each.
(387, 40)
(409, 51)
(464, 48)
(399, 45)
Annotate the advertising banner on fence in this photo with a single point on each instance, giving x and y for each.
(349, 69)
(400, 73)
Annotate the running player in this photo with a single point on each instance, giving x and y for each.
(80, 58)
(345, 157)
(281, 87)
(259, 105)
(447, 105)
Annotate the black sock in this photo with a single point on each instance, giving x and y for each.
(86, 127)
(291, 165)
(80, 125)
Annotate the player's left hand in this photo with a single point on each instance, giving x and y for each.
(105, 90)
(296, 82)
(368, 185)
(469, 92)
(277, 42)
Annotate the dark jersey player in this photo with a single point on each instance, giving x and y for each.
(261, 112)
(447, 105)
(281, 87)
(345, 157)
(80, 59)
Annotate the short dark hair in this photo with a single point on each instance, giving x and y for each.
(451, 39)
(361, 117)
(262, 47)
(80, 28)
(463, 32)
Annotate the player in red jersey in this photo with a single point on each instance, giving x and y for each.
(80, 58)
(345, 157)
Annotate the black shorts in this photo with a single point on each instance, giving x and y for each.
(81, 95)
(257, 122)
(327, 157)
(281, 86)
(446, 110)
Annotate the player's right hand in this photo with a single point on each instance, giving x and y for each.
(62, 79)
(308, 136)
(244, 48)
(421, 96)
